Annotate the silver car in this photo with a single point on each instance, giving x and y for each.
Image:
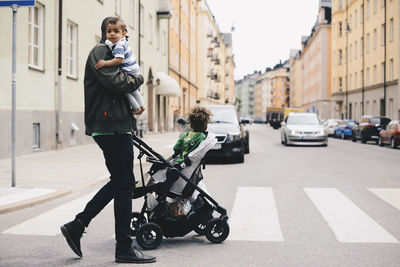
(303, 129)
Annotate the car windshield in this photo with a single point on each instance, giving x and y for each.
(351, 123)
(303, 119)
(223, 116)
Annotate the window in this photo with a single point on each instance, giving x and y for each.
(362, 14)
(72, 49)
(383, 35)
(36, 136)
(141, 20)
(117, 8)
(36, 36)
(391, 29)
(368, 8)
(391, 70)
(340, 4)
(362, 46)
(351, 52)
(351, 82)
(340, 29)
(355, 50)
(375, 75)
(340, 57)
(368, 43)
(355, 80)
(375, 39)
(367, 108)
(355, 18)
(164, 42)
(340, 84)
(383, 72)
(368, 77)
(375, 6)
(391, 114)
(374, 107)
(150, 29)
(131, 13)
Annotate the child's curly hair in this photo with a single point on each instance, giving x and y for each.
(117, 21)
(199, 118)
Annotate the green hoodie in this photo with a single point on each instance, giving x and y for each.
(187, 143)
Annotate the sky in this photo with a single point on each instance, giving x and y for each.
(265, 30)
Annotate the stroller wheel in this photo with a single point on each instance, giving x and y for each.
(217, 230)
(136, 221)
(149, 236)
(201, 228)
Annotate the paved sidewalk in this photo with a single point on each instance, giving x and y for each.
(42, 176)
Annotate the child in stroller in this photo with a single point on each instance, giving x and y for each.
(179, 180)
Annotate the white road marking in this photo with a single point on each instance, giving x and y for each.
(254, 216)
(348, 222)
(21, 194)
(48, 223)
(390, 195)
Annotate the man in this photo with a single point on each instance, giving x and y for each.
(109, 121)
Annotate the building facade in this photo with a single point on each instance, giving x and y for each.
(365, 52)
(280, 90)
(316, 65)
(296, 79)
(262, 95)
(50, 105)
(245, 94)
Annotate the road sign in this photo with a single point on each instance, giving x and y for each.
(18, 2)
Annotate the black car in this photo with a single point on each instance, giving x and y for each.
(233, 139)
(369, 127)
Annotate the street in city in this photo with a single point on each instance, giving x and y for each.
(287, 206)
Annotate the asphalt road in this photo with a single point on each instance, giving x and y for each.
(288, 206)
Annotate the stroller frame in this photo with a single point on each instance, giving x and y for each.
(149, 234)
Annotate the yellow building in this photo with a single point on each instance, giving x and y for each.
(280, 91)
(262, 94)
(365, 52)
(183, 54)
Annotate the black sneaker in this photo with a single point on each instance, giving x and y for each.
(131, 255)
(72, 232)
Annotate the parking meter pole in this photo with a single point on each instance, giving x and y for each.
(13, 101)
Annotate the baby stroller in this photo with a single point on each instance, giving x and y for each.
(151, 224)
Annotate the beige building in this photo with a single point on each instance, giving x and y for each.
(50, 107)
(365, 52)
(316, 65)
(215, 61)
(262, 94)
(296, 79)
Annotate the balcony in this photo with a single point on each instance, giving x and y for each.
(164, 9)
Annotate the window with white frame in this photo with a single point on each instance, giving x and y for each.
(375, 75)
(355, 18)
(36, 36)
(36, 136)
(391, 70)
(368, 42)
(72, 49)
(355, 50)
(150, 25)
(164, 42)
(141, 20)
(382, 71)
(368, 77)
(391, 29)
(368, 8)
(375, 6)
(383, 34)
(355, 80)
(117, 7)
(375, 39)
(132, 13)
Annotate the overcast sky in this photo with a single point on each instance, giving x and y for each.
(265, 30)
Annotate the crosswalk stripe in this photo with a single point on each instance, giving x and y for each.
(254, 216)
(348, 222)
(48, 223)
(390, 195)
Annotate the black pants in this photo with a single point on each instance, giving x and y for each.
(118, 155)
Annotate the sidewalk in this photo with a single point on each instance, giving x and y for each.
(42, 176)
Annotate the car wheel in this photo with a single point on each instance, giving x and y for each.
(363, 138)
(240, 159)
(343, 137)
(393, 143)
(380, 141)
(247, 147)
(353, 137)
(285, 141)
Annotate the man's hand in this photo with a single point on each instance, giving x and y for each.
(100, 64)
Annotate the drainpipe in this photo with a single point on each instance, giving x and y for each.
(363, 60)
(384, 63)
(59, 89)
(139, 33)
(347, 57)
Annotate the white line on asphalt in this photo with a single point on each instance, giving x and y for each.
(348, 222)
(390, 195)
(21, 194)
(48, 223)
(254, 216)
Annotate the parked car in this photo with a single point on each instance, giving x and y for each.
(344, 129)
(369, 128)
(330, 124)
(233, 141)
(390, 136)
(303, 129)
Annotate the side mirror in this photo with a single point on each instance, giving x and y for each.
(283, 123)
(244, 121)
(181, 121)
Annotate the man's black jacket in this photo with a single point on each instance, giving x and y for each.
(106, 108)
